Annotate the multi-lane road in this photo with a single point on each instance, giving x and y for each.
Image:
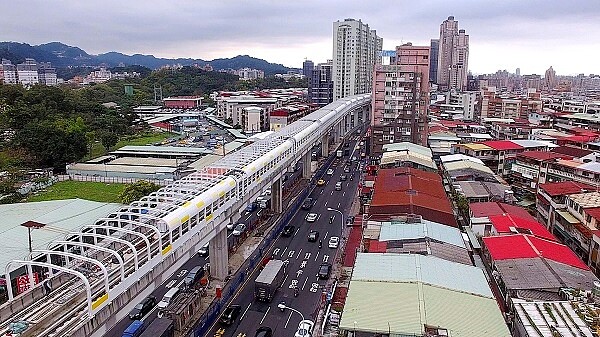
(304, 260)
(178, 277)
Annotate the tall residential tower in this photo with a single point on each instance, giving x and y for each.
(453, 58)
(356, 49)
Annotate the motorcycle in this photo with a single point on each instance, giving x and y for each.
(331, 219)
(296, 291)
(320, 244)
(282, 306)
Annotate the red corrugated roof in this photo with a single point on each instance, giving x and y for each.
(502, 145)
(593, 212)
(572, 151)
(503, 224)
(557, 252)
(508, 247)
(565, 188)
(352, 245)
(520, 246)
(543, 155)
(481, 209)
(578, 138)
(375, 246)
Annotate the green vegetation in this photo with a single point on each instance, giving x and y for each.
(137, 190)
(95, 191)
(144, 139)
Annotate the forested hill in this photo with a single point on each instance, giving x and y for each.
(63, 56)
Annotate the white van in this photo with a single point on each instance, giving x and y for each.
(338, 186)
(168, 298)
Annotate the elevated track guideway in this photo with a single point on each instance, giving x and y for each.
(95, 272)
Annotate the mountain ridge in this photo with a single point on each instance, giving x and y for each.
(63, 55)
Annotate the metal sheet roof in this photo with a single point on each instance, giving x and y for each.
(527, 143)
(459, 157)
(392, 157)
(403, 231)
(163, 150)
(409, 147)
(382, 267)
(59, 216)
(405, 309)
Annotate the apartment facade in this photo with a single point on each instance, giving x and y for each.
(453, 58)
(320, 84)
(497, 105)
(8, 72)
(400, 99)
(27, 72)
(356, 50)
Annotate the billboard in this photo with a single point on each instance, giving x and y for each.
(23, 282)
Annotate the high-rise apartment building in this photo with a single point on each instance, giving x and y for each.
(307, 68)
(400, 99)
(8, 72)
(453, 58)
(356, 49)
(28, 72)
(47, 74)
(550, 78)
(434, 51)
(320, 84)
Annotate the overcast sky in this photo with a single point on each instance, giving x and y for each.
(504, 34)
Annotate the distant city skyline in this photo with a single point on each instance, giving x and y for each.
(530, 35)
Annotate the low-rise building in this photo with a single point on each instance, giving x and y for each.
(480, 213)
(411, 191)
(531, 169)
(388, 295)
(183, 102)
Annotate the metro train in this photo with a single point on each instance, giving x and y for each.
(177, 208)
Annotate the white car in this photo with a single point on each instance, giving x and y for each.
(239, 229)
(334, 242)
(230, 226)
(305, 328)
(311, 217)
(330, 172)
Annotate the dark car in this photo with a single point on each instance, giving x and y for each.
(307, 204)
(143, 308)
(230, 314)
(313, 236)
(264, 331)
(288, 230)
(324, 270)
(350, 221)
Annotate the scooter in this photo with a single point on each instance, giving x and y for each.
(331, 219)
(282, 307)
(320, 244)
(296, 292)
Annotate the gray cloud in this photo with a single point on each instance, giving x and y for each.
(504, 34)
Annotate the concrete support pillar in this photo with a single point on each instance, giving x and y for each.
(306, 159)
(325, 145)
(219, 255)
(276, 197)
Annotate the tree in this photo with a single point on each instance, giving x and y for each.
(137, 190)
(108, 140)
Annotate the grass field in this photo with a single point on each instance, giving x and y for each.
(94, 191)
(97, 149)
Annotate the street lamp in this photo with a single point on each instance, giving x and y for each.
(341, 218)
(283, 306)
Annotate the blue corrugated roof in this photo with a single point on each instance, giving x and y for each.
(403, 231)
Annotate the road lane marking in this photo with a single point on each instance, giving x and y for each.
(326, 203)
(343, 193)
(276, 251)
(321, 192)
(288, 320)
(339, 203)
(297, 230)
(300, 251)
(248, 217)
(286, 276)
(170, 284)
(291, 254)
(307, 256)
(325, 237)
(283, 253)
(325, 258)
(230, 234)
(266, 312)
(304, 284)
(331, 192)
(245, 311)
(317, 256)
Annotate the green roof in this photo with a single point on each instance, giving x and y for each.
(405, 308)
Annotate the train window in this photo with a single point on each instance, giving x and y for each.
(194, 220)
(221, 201)
(176, 233)
(185, 227)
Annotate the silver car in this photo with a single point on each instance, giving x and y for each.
(239, 229)
(311, 217)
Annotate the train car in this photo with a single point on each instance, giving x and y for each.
(160, 327)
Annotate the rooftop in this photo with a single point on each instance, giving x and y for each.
(586, 200)
(542, 155)
(502, 145)
(565, 188)
(521, 246)
(407, 147)
(413, 291)
(486, 209)
(506, 224)
(572, 151)
(59, 217)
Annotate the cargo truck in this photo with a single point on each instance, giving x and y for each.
(269, 279)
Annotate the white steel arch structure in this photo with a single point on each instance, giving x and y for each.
(197, 203)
